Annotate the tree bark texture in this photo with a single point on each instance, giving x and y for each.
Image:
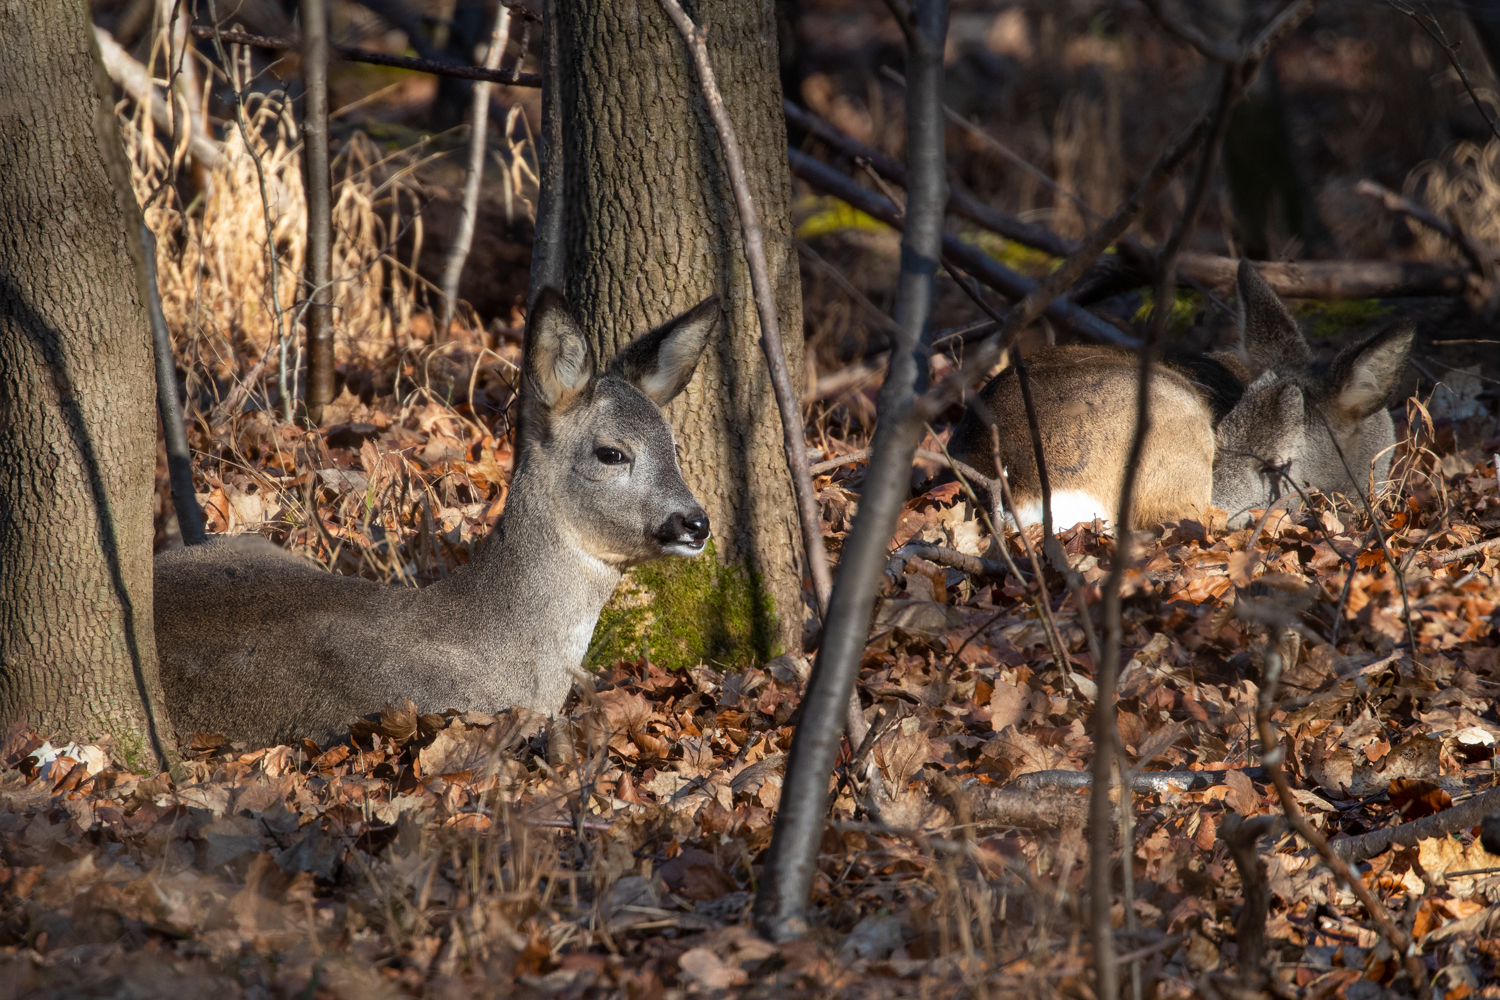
(77, 398)
(652, 230)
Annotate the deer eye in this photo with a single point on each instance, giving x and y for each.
(610, 456)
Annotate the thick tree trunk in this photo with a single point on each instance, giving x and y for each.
(77, 398)
(652, 230)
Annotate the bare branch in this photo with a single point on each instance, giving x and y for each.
(436, 67)
(781, 903)
(458, 252)
(793, 434)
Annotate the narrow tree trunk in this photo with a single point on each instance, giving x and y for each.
(77, 408)
(652, 229)
(319, 187)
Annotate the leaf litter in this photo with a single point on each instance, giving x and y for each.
(615, 851)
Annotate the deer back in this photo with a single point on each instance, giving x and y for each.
(1085, 401)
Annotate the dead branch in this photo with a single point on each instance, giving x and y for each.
(1460, 817)
(273, 260)
(1459, 555)
(468, 210)
(179, 457)
(1272, 755)
(1332, 279)
(960, 202)
(1434, 28)
(1241, 835)
(1473, 252)
(975, 566)
(1143, 782)
(972, 259)
(131, 77)
(781, 902)
(548, 251)
(793, 433)
(435, 67)
(1185, 31)
(1028, 809)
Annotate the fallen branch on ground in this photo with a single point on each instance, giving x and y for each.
(133, 78)
(1459, 817)
(981, 265)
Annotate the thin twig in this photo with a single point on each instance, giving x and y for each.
(1186, 31)
(431, 66)
(1435, 31)
(971, 258)
(793, 434)
(782, 899)
(273, 262)
(1106, 674)
(1272, 756)
(1005, 151)
(463, 236)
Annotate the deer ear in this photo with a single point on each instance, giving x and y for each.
(661, 363)
(1268, 335)
(1363, 377)
(557, 353)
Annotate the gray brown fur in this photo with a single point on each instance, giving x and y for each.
(1081, 395)
(1318, 427)
(263, 646)
(1285, 417)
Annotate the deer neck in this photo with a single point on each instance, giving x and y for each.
(529, 600)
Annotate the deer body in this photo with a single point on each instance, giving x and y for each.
(1236, 428)
(264, 646)
(1081, 393)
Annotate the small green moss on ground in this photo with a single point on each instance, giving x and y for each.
(1016, 256)
(1329, 319)
(682, 612)
(1185, 309)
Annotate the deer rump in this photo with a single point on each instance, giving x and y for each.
(1235, 429)
(263, 646)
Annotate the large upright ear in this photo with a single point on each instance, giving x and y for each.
(1363, 377)
(1269, 337)
(557, 352)
(661, 363)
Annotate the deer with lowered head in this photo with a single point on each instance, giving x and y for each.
(263, 646)
(1236, 428)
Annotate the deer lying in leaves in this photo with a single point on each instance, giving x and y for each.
(263, 646)
(1236, 428)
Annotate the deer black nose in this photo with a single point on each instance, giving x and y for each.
(683, 529)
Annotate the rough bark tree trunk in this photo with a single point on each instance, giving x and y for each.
(77, 406)
(652, 229)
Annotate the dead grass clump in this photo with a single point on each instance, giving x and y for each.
(215, 273)
(1464, 183)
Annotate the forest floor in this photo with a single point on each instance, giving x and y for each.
(457, 854)
(439, 854)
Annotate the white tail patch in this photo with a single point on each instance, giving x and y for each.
(1069, 507)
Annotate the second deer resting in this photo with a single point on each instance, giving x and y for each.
(1235, 429)
(261, 645)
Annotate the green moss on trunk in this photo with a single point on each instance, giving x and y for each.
(682, 612)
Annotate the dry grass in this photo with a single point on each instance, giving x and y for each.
(1464, 183)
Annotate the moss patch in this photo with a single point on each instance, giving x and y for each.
(1329, 319)
(682, 612)
(824, 215)
(1016, 256)
(1185, 309)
